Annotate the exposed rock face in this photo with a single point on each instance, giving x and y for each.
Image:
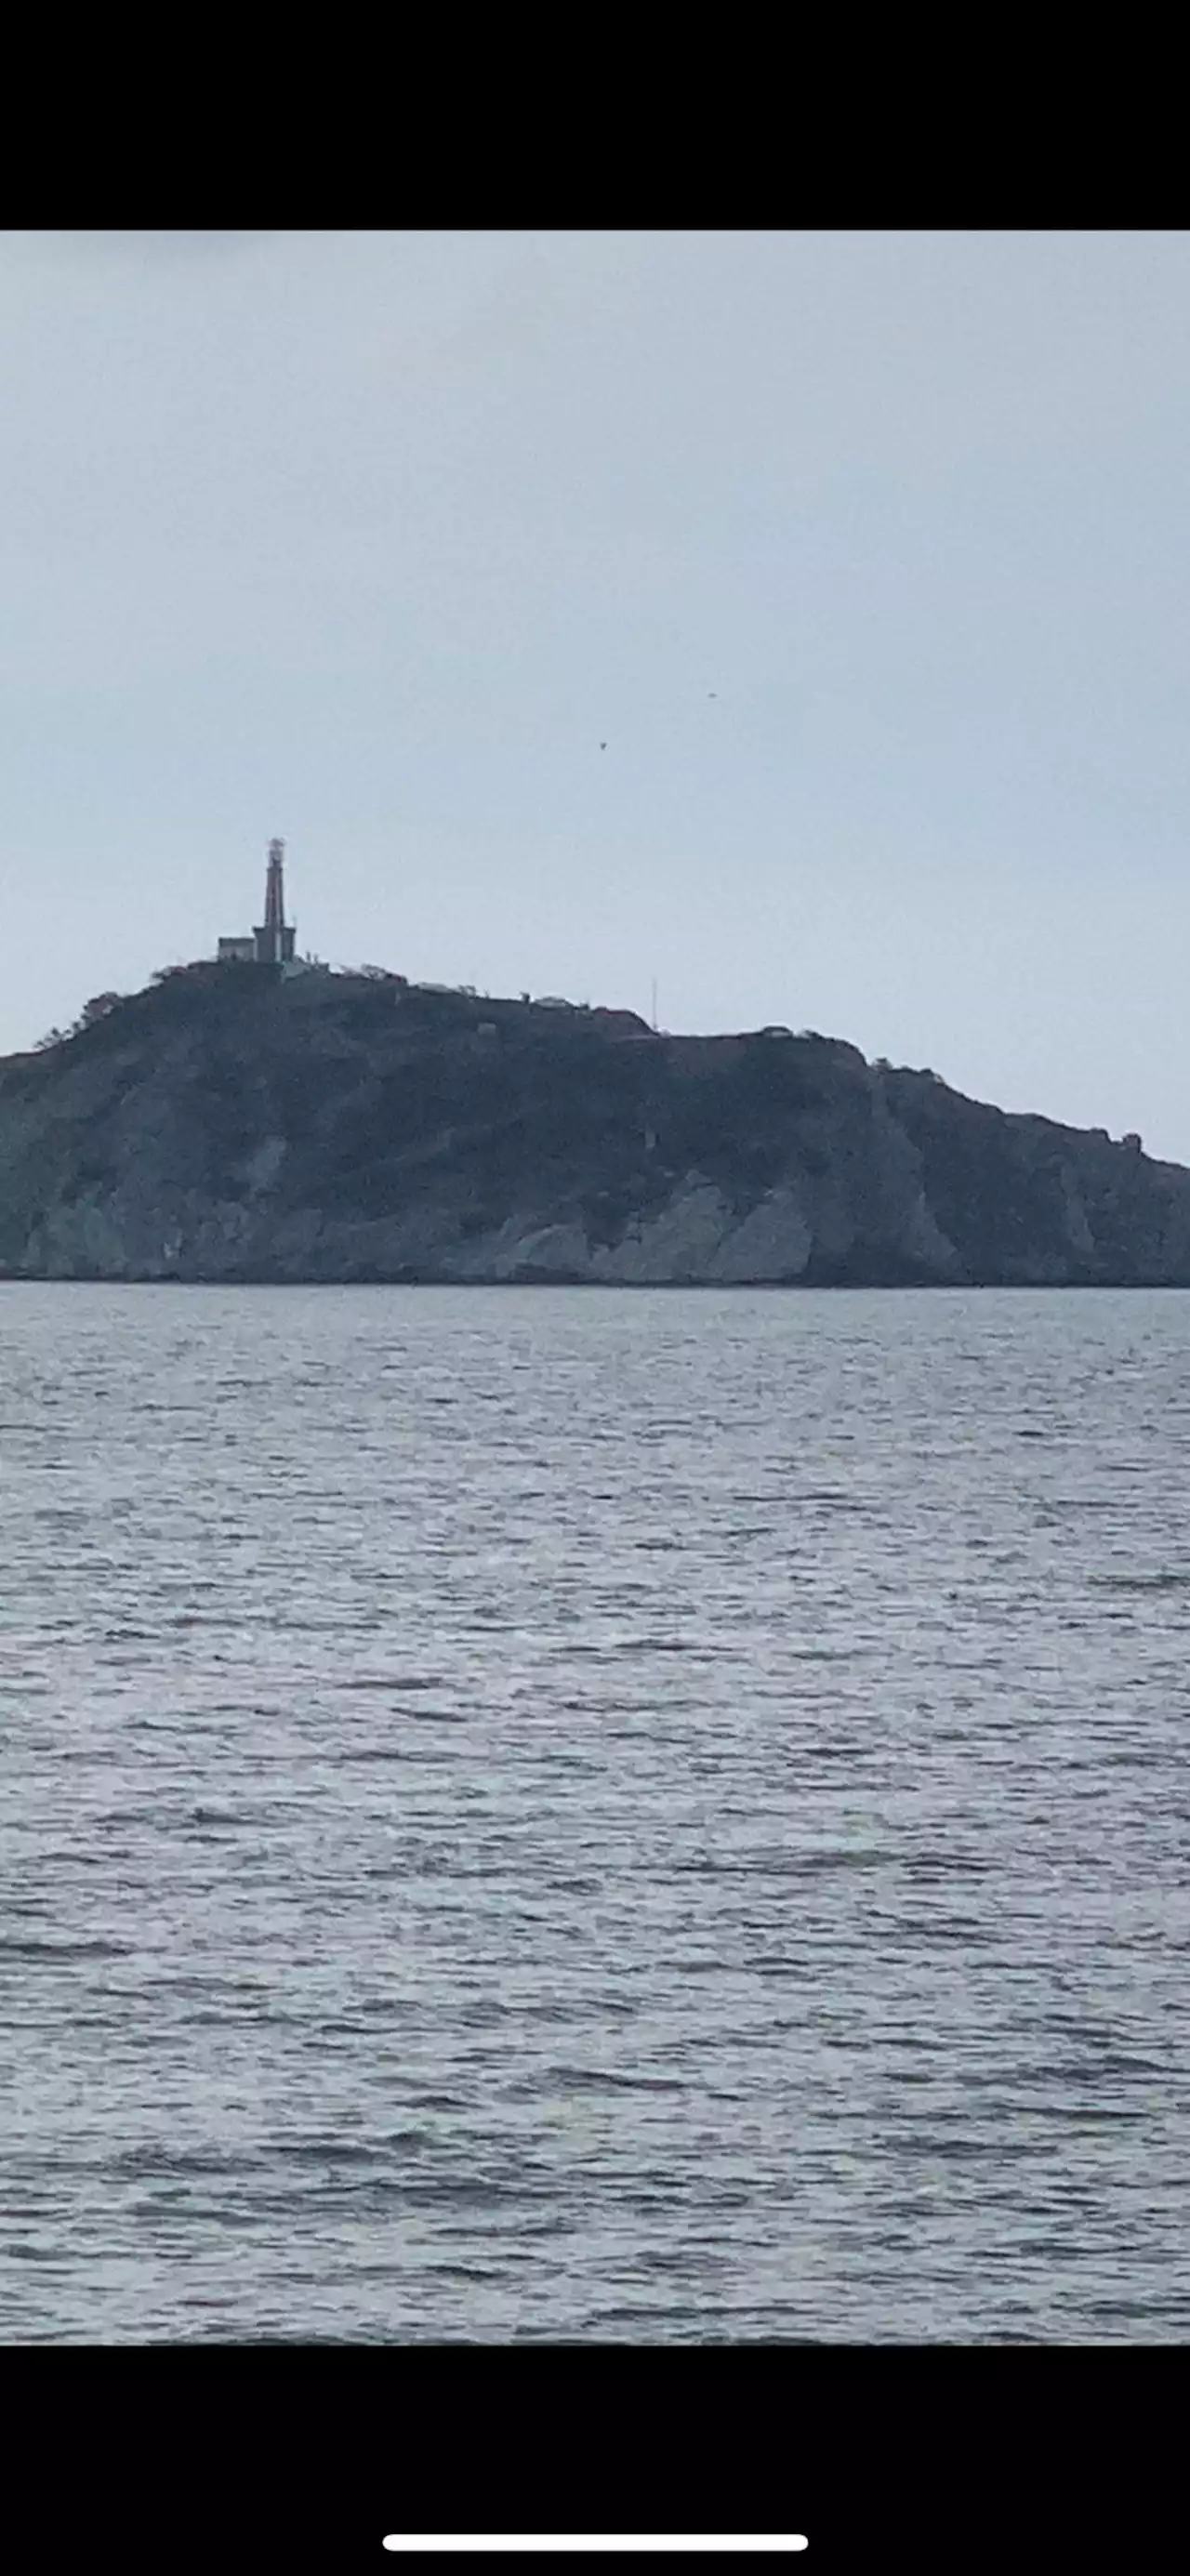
(231, 1124)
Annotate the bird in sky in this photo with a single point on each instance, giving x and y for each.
(603, 746)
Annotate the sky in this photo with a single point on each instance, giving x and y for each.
(796, 620)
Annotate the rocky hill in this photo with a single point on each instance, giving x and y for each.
(230, 1123)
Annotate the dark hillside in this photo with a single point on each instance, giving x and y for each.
(231, 1122)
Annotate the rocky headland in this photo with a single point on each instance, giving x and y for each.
(236, 1122)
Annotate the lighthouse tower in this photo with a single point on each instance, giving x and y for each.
(275, 936)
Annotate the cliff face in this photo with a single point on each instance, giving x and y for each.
(228, 1124)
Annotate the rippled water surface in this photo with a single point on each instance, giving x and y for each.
(572, 1813)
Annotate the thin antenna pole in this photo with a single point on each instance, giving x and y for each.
(654, 1005)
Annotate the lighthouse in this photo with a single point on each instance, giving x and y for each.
(272, 943)
(274, 937)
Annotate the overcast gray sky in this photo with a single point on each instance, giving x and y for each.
(867, 555)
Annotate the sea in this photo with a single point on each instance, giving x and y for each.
(594, 1816)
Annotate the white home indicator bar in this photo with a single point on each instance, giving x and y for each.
(470, 2540)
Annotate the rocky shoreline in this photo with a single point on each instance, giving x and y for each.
(230, 1123)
